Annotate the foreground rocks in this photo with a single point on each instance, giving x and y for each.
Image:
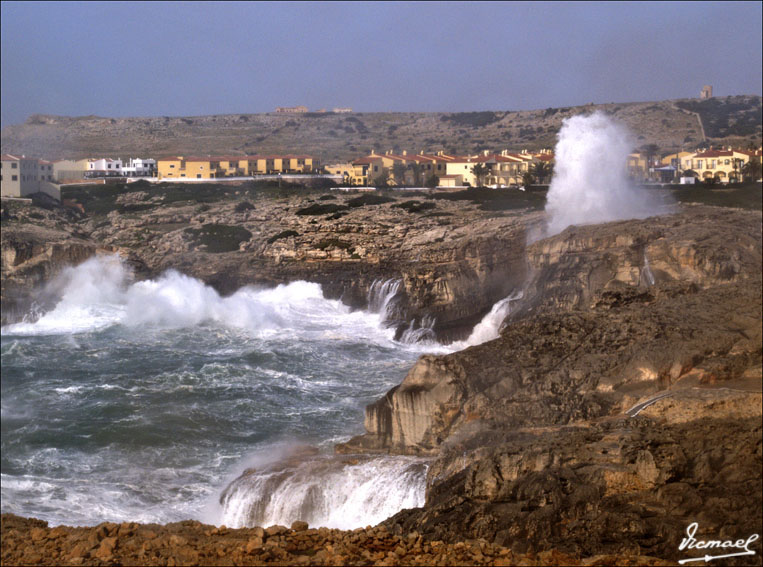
(32, 542)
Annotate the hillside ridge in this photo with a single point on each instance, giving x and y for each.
(670, 124)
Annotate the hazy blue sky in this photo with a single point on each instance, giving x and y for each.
(149, 59)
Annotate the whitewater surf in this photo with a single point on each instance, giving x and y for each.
(160, 400)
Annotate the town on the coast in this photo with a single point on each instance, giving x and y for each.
(25, 175)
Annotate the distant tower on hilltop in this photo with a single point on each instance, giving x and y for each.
(707, 92)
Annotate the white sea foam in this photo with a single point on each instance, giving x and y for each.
(490, 325)
(99, 293)
(324, 491)
(590, 183)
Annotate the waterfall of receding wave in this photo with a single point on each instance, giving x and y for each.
(332, 491)
(490, 326)
(590, 183)
(646, 272)
(383, 298)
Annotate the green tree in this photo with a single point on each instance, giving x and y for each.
(751, 170)
(650, 151)
(415, 167)
(738, 164)
(528, 179)
(382, 180)
(432, 181)
(542, 171)
(398, 172)
(480, 171)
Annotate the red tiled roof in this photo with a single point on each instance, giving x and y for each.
(750, 153)
(366, 160)
(9, 157)
(495, 157)
(234, 158)
(714, 153)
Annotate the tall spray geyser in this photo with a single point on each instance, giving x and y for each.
(590, 183)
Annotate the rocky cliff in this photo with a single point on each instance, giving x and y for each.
(621, 402)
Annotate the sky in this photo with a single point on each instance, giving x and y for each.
(120, 59)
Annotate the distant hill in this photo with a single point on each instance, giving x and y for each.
(334, 137)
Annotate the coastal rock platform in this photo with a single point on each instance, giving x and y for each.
(620, 402)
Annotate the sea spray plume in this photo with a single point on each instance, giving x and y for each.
(590, 183)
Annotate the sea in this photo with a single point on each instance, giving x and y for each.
(161, 401)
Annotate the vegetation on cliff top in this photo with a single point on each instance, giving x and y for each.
(217, 238)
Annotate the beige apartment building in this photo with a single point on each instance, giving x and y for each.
(217, 167)
(70, 170)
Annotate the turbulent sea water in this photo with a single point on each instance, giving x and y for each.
(143, 401)
(146, 401)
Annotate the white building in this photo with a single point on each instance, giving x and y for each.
(22, 176)
(138, 167)
(104, 167)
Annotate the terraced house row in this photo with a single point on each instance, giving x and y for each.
(724, 165)
(491, 169)
(215, 167)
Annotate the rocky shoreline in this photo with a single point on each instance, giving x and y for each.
(32, 542)
(620, 403)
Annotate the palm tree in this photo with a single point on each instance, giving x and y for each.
(480, 171)
(398, 172)
(415, 167)
(736, 162)
(751, 170)
(650, 150)
(542, 170)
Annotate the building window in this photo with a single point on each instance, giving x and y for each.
(172, 166)
(14, 177)
(198, 176)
